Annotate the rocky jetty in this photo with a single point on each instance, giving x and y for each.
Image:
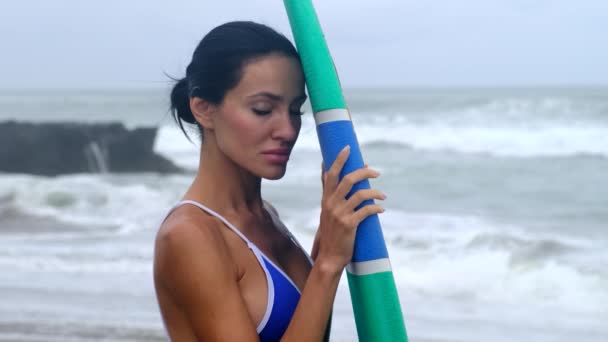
(60, 148)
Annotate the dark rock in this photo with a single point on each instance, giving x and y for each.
(59, 148)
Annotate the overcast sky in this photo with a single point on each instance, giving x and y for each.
(71, 43)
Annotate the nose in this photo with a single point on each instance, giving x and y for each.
(286, 127)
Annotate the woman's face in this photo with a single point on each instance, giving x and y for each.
(258, 122)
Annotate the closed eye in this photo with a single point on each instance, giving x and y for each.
(261, 112)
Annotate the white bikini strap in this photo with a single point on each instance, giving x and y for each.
(250, 244)
(213, 213)
(256, 252)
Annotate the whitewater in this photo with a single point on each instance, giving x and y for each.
(495, 223)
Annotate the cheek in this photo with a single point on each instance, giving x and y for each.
(242, 127)
(238, 130)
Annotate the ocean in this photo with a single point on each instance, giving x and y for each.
(496, 218)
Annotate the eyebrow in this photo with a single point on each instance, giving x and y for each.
(276, 97)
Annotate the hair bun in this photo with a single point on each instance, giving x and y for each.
(180, 102)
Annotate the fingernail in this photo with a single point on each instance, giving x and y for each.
(347, 147)
(383, 196)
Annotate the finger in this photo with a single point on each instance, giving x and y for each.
(363, 195)
(353, 178)
(333, 174)
(366, 211)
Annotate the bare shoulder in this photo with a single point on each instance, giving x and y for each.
(195, 279)
(191, 244)
(184, 223)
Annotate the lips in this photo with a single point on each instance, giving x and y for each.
(277, 156)
(282, 151)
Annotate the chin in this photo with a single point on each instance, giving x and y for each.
(275, 174)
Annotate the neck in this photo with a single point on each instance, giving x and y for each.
(223, 185)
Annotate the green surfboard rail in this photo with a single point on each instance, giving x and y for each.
(374, 296)
(376, 306)
(321, 77)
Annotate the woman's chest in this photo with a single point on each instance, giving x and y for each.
(266, 271)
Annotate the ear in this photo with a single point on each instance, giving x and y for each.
(203, 111)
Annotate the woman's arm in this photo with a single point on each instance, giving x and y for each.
(193, 266)
(333, 248)
(309, 322)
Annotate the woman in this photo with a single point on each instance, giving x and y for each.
(225, 267)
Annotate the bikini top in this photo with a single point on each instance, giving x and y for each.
(283, 294)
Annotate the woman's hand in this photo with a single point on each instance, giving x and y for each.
(335, 239)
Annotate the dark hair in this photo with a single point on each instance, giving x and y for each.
(218, 61)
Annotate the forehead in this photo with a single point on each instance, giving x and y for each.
(276, 74)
